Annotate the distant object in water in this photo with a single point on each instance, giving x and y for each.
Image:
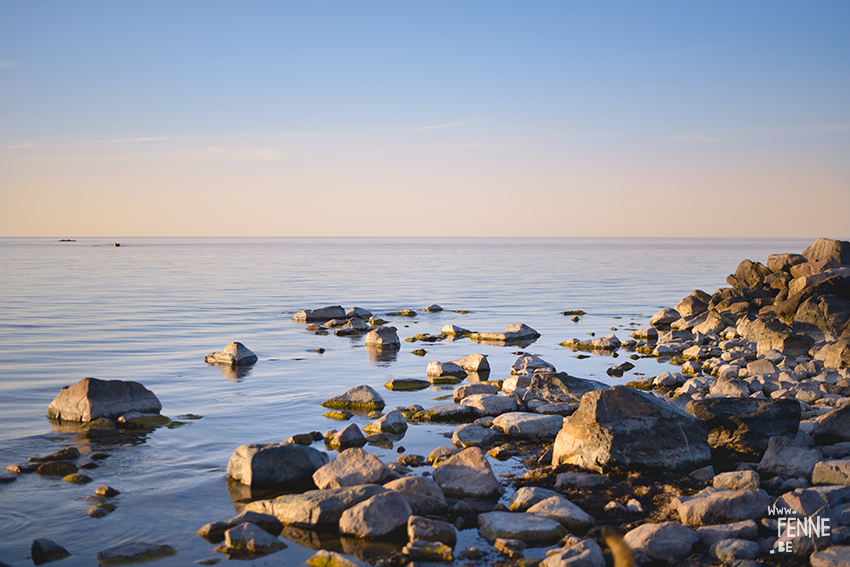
(117, 244)
(67, 240)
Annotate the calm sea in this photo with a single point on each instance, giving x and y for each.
(150, 310)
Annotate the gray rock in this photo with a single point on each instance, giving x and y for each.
(321, 314)
(527, 496)
(351, 468)
(789, 457)
(45, 550)
(581, 480)
(354, 326)
(349, 436)
(724, 506)
(454, 330)
(667, 541)
(832, 472)
(91, 399)
(472, 435)
(586, 553)
(358, 312)
(215, 531)
(619, 427)
(376, 517)
(467, 390)
(783, 262)
(393, 422)
(315, 508)
(823, 317)
(491, 404)
(834, 427)
(457, 413)
(562, 510)
(710, 535)
(273, 463)
(729, 550)
(737, 480)
(560, 387)
(513, 333)
(325, 558)
(250, 539)
(360, 397)
(427, 551)
(468, 475)
(826, 247)
(234, 354)
(835, 556)
(749, 275)
(474, 363)
(422, 493)
(431, 530)
(438, 369)
(665, 317)
(516, 382)
(533, 530)
(690, 306)
(529, 364)
(133, 552)
(522, 425)
(383, 337)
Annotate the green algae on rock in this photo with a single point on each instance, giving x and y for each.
(358, 398)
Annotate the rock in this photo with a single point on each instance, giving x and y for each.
(528, 426)
(77, 478)
(710, 535)
(214, 532)
(439, 369)
(106, 491)
(581, 480)
(422, 493)
(619, 428)
(515, 382)
(586, 553)
(100, 510)
(533, 530)
(137, 420)
(823, 317)
(513, 333)
(376, 517)
(491, 404)
(789, 457)
(274, 463)
(724, 506)
(690, 306)
(250, 539)
(468, 475)
(665, 317)
(431, 530)
(836, 249)
(91, 399)
(321, 314)
(474, 363)
(832, 472)
(428, 551)
(45, 550)
(234, 354)
(560, 387)
(393, 422)
(134, 552)
(351, 468)
(57, 468)
(837, 354)
(789, 344)
(745, 425)
(383, 337)
(359, 397)
(354, 326)
(530, 363)
(737, 480)
(349, 436)
(749, 275)
(454, 330)
(783, 262)
(834, 427)
(315, 508)
(457, 413)
(667, 541)
(472, 435)
(466, 390)
(729, 550)
(406, 384)
(325, 558)
(358, 312)
(835, 556)
(527, 496)
(562, 510)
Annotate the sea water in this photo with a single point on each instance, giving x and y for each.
(151, 308)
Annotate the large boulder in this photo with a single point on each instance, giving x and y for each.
(383, 337)
(274, 463)
(745, 425)
(585, 553)
(837, 355)
(321, 314)
(559, 388)
(832, 285)
(823, 317)
(468, 475)
(351, 468)
(491, 404)
(376, 517)
(777, 263)
(837, 249)
(834, 427)
(518, 332)
(789, 457)
(723, 507)
(91, 399)
(749, 275)
(523, 425)
(668, 541)
(531, 529)
(562, 510)
(474, 363)
(234, 354)
(359, 397)
(625, 428)
(422, 493)
(315, 508)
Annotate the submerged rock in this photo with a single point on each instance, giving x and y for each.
(517, 332)
(274, 463)
(215, 531)
(250, 539)
(325, 558)
(91, 399)
(321, 314)
(45, 550)
(234, 354)
(133, 552)
(360, 397)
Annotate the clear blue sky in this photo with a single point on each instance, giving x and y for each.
(425, 118)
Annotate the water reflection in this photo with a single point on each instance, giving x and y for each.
(383, 356)
(368, 550)
(235, 373)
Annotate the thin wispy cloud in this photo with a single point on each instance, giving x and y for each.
(438, 126)
(22, 146)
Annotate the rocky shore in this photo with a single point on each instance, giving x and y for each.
(739, 454)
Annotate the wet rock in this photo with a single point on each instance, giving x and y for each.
(745, 425)
(710, 535)
(474, 363)
(349, 436)
(250, 539)
(667, 541)
(45, 551)
(513, 333)
(406, 384)
(422, 493)
(586, 553)
(468, 475)
(353, 326)
(789, 457)
(466, 390)
(393, 422)
(321, 314)
(325, 558)
(215, 531)
(562, 510)
(431, 530)
(64, 454)
(528, 426)
(234, 354)
(383, 337)
(454, 330)
(377, 516)
(440, 454)
(351, 468)
(315, 508)
(620, 427)
(724, 506)
(100, 510)
(134, 552)
(428, 551)
(91, 399)
(440, 369)
(359, 398)
(358, 312)
(533, 530)
(560, 387)
(457, 413)
(491, 404)
(22, 468)
(77, 478)
(274, 463)
(472, 435)
(57, 468)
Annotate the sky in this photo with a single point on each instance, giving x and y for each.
(471, 118)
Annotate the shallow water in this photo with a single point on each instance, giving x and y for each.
(150, 310)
